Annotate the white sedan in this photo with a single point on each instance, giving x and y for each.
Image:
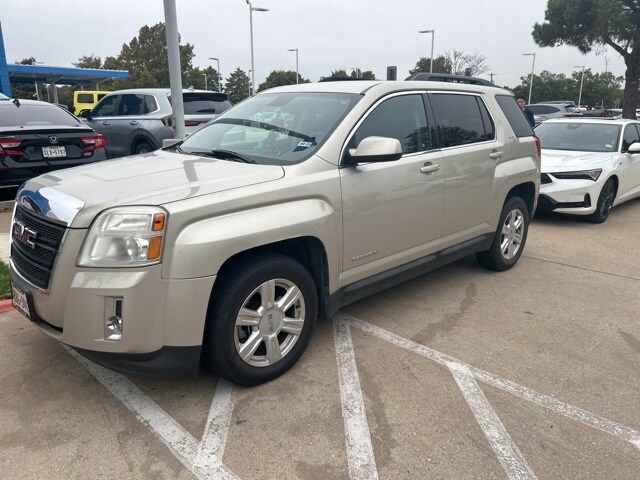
(588, 165)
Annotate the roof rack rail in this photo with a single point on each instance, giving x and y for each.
(446, 77)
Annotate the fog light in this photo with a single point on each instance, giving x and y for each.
(113, 325)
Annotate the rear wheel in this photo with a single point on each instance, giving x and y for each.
(143, 147)
(605, 202)
(261, 319)
(509, 239)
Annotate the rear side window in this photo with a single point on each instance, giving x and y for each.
(402, 117)
(150, 104)
(205, 103)
(85, 98)
(130, 104)
(631, 135)
(515, 116)
(459, 119)
(33, 115)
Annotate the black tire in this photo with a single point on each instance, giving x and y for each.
(605, 202)
(143, 147)
(232, 288)
(493, 258)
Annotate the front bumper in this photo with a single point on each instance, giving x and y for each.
(163, 318)
(576, 197)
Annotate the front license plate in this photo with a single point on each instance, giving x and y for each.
(20, 302)
(54, 152)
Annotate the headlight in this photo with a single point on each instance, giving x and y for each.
(125, 237)
(578, 175)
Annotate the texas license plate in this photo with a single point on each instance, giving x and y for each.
(54, 152)
(20, 302)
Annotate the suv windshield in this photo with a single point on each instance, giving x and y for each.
(579, 137)
(274, 128)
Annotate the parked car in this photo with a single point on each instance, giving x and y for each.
(85, 100)
(545, 111)
(567, 103)
(137, 121)
(588, 166)
(38, 137)
(230, 244)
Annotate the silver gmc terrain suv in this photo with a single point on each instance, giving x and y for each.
(227, 247)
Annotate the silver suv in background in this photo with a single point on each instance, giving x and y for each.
(545, 111)
(137, 120)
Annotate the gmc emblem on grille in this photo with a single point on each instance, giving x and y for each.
(24, 235)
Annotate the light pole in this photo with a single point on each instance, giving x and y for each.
(533, 67)
(219, 76)
(251, 10)
(206, 87)
(175, 72)
(433, 35)
(581, 83)
(297, 74)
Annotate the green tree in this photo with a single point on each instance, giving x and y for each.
(237, 85)
(145, 57)
(360, 75)
(88, 61)
(586, 24)
(340, 73)
(195, 78)
(24, 90)
(441, 64)
(278, 78)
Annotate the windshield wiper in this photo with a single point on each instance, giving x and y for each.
(231, 155)
(266, 126)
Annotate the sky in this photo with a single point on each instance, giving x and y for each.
(329, 34)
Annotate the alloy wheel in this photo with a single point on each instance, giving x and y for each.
(269, 322)
(512, 234)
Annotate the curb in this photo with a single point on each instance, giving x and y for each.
(5, 305)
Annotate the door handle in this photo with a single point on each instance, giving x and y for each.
(134, 122)
(105, 123)
(495, 154)
(429, 168)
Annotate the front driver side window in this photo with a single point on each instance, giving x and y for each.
(107, 107)
(631, 135)
(402, 117)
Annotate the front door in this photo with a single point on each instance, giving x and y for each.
(102, 116)
(471, 152)
(392, 210)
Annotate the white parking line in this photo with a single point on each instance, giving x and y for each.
(570, 411)
(217, 427)
(180, 442)
(360, 458)
(503, 446)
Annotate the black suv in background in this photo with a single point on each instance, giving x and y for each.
(38, 137)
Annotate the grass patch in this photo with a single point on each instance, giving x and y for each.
(5, 281)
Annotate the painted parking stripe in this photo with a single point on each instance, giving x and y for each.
(570, 411)
(507, 452)
(360, 458)
(180, 442)
(214, 439)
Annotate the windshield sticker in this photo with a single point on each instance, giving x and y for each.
(303, 145)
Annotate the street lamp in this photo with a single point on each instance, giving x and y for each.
(251, 10)
(219, 75)
(581, 83)
(295, 50)
(433, 35)
(356, 71)
(206, 87)
(533, 66)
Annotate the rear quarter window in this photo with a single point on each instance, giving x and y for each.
(515, 116)
(85, 98)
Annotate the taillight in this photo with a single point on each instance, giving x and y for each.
(93, 142)
(8, 146)
(167, 121)
(538, 145)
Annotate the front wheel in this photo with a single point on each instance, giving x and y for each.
(509, 239)
(261, 319)
(605, 202)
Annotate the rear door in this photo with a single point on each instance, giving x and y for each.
(471, 152)
(102, 116)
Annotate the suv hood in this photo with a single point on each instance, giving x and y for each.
(148, 179)
(554, 159)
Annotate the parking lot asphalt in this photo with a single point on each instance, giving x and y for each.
(462, 373)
